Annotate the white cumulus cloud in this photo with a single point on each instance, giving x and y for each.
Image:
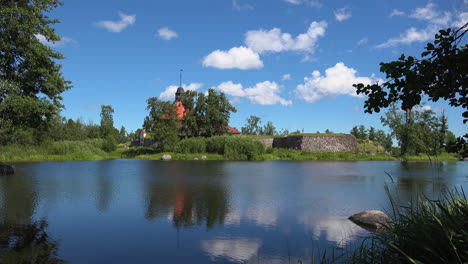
(462, 19)
(286, 77)
(312, 3)
(342, 14)
(435, 19)
(118, 26)
(338, 80)
(55, 44)
(264, 93)
(167, 34)
(431, 14)
(396, 12)
(411, 35)
(169, 92)
(236, 58)
(294, 2)
(275, 40)
(363, 41)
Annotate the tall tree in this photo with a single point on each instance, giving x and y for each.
(30, 77)
(107, 121)
(162, 123)
(252, 127)
(371, 134)
(269, 129)
(214, 111)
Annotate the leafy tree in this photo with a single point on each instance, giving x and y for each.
(354, 131)
(213, 111)
(269, 129)
(122, 135)
(107, 121)
(441, 73)
(205, 115)
(450, 142)
(252, 127)
(371, 134)
(416, 132)
(328, 131)
(362, 134)
(30, 77)
(383, 139)
(162, 123)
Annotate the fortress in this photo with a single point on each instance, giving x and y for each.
(313, 142)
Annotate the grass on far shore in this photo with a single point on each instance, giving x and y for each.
(92, 150)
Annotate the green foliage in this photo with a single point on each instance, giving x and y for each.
(122, 135)
(252, 127)
(439, 74)
(232, 147)
(60, 150)
(107, 122)
(110, 144)
(269, 129)
(192, 145)
(238, 148)
(30, 79)
(417, 132)
(214, 112)
(162, 123)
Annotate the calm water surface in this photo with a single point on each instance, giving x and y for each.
(133, 211)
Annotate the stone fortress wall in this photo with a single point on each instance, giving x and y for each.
(316, 142)
(331, 143)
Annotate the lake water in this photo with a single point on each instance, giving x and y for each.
(134, 211)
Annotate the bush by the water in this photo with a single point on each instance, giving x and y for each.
(232, 147)
(192, 145)
(109, 144)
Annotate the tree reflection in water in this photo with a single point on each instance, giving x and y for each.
(27, 243)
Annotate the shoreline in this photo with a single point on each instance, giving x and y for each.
(281, 155)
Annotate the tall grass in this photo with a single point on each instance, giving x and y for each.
(59, 150)
(426, 231)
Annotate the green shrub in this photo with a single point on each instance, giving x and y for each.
(241, 148)
(216, 144)
(110, 144)
(192, 145)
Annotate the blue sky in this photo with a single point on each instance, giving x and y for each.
(291, 62)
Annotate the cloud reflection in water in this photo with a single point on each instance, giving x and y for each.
(237, 249)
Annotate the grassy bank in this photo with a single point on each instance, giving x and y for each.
(56, 151)
(214, 148)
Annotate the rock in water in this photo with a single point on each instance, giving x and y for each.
(6, 169)
(373, 220)
(166, 157)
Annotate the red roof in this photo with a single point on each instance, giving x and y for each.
(233, 130)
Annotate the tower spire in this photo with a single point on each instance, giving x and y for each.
(181, 70)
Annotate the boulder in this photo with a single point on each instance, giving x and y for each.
(203, 157)
(373, 220)
(6, 169)
(166, 157)
(195, 158)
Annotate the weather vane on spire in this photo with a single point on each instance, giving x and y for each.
(181, 70)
